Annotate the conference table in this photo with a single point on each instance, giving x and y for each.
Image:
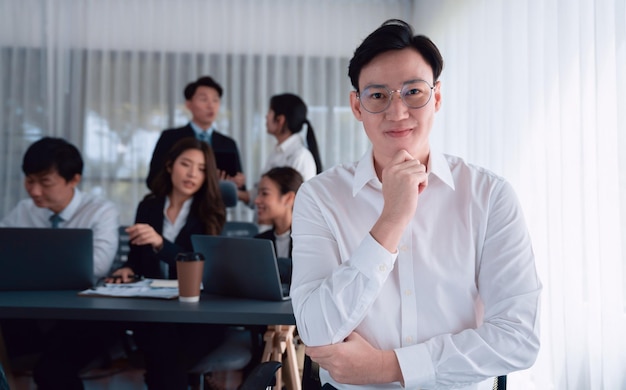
(211, 309)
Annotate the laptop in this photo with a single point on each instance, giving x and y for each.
(240, 267)
(46, 259)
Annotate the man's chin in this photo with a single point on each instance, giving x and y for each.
(40, 204)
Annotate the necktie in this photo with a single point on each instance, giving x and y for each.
(204, 136)
(55, 219)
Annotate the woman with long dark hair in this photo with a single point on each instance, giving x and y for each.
(185, 200)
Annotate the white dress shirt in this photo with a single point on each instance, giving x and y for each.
(293, 153)
(459, 300)
(202, 134)
(283, 244)
(84, 211)
(290, 153)
(171, 229)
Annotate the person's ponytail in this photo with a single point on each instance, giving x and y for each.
(311, 142)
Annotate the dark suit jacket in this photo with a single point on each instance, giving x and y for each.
(142, 258)
(225, 149)
(284, 263)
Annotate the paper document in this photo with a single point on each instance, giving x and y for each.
(147, 288)
(158, 283)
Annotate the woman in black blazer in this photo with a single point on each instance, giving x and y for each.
(274, 204)
(185, 200)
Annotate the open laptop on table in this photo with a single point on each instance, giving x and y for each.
(240, 267)
(46, 259)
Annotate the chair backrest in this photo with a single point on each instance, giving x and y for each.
(240, 229)
(261, 376)
(123, 247)
(229, 193)
(233, 354)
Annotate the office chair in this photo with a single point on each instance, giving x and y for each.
(261, 376)
(233, 354)
(311, 378)
(240, 229)
(500, 383)
(123, 247)
(229, 193)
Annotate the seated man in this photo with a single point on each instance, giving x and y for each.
(53, 169)
(203, 100)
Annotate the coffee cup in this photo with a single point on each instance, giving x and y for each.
(189, 267)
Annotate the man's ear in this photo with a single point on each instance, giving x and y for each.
(356, 106)
(437, 93)
(75, 180)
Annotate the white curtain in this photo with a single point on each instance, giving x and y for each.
(108, 75)
(533, 90)
(536, 91)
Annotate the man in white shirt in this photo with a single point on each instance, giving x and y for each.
(411, 268)
(53, 169)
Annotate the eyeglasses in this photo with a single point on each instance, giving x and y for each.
(377, 98)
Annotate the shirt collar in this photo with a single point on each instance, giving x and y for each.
(68, 212)
(184, 210)
(365, 172)
(292, 142)
(438, 166)
(283, 235)
(199, 130)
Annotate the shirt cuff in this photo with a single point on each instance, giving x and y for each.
(416, 366)
(374, 261)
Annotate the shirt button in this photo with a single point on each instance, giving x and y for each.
(409, 339)
(403, 248)
(408, 292)
(382, 268)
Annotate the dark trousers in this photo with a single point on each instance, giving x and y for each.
(70, 346)
(24, 336)
(170, 350)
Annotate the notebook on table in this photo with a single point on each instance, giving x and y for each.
(46, 259)
(240, 267)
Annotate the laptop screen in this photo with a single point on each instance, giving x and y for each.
(239, 267)
(46, 259)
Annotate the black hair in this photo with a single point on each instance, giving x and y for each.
(287, 178)
(53, 153)
(207, 201)
(204, 81)
(393, 34)
(293, 108)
